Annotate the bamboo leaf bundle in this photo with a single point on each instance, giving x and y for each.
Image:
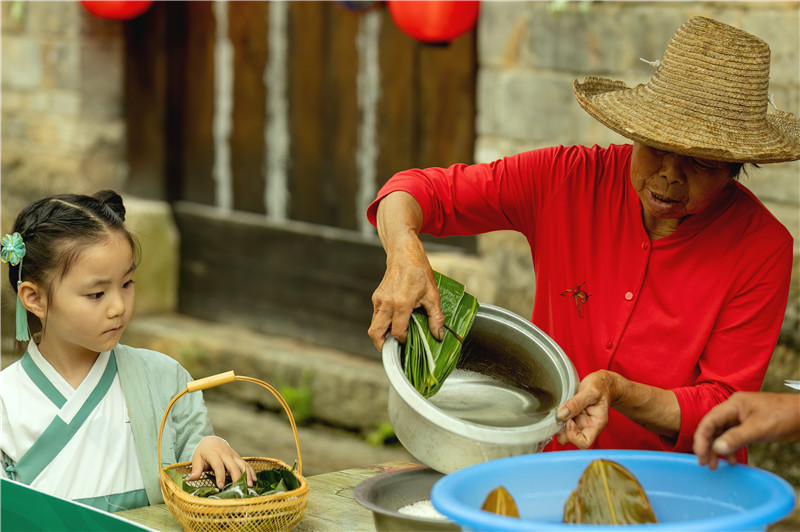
(427, 361)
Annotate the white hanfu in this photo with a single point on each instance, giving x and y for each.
(148, 381)
(94, 458)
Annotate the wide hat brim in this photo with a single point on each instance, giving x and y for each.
(707, 99)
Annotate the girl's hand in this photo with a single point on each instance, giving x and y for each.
(214, 453)
(586, 413)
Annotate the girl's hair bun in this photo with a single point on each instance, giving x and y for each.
(113, 201)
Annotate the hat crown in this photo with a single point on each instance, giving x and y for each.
(708, 98)
(713, 70)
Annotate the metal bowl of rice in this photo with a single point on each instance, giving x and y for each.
(500, 401)
(400, 501)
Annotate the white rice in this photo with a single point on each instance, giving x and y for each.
(421, 509)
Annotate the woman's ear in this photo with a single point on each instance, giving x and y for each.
(33, 298)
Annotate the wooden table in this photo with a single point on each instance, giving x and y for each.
(331, 506)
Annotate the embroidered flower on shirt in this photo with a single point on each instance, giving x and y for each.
(579, 295)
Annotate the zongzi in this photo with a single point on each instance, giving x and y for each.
(608, 494)
(428, 361)
(499, 501)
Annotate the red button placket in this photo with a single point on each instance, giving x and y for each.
(629, 295)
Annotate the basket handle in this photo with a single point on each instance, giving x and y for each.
(211, 382)
(224, 378)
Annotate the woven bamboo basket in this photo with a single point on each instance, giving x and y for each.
(271, 513)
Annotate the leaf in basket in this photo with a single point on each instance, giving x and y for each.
(234, 490)
(268, 480)
(427, 361)
(177, 478)
(608, 494)
(205, 491)
(201, 491)
(279, 488)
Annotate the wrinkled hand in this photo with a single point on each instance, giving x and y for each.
(407, 284)
(586, 413)
(215, 453)
(746, 417)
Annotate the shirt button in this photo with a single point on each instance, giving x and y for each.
(628, 295)
(610, 344)
(645, 244)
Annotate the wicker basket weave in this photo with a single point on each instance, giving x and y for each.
(271, 513)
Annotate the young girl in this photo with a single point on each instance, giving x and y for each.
(80, 411)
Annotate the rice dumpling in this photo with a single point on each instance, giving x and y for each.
(427, 361)
(499, 501)
(608, 494)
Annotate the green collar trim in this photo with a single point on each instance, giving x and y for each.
(41, 382)
(59, 433)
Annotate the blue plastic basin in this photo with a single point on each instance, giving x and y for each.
(684, 495)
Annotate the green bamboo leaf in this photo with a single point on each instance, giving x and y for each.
(177, 478)
(268, 482)
(234, 490)
(270, 479)
(427, 361)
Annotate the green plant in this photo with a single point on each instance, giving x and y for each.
(299, 399)
(382, 435)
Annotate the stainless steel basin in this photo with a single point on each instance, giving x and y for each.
(500, 401)
(386, 493)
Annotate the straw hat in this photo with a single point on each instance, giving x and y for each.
(708, 98)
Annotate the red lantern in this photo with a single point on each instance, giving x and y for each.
(117, 9)
(434, 22)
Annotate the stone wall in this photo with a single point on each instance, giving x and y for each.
(63, 130)
(62, 126)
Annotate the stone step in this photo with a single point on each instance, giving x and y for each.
(323, 384)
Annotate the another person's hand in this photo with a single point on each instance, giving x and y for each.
(408, 282)
(746, 417)
(586, 413)
(214, 453)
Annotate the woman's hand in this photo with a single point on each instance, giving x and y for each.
(214, 453)
(746, 417)
(408, 282)
(586, 413)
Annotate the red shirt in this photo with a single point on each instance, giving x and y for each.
(697, 312)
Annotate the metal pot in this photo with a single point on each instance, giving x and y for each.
(500, 401)
(386, 493)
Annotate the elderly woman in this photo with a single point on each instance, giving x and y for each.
(662, 277)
